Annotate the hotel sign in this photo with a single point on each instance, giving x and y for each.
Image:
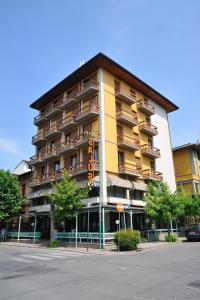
(90, 174)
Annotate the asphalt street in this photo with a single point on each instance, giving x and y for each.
(166, 273)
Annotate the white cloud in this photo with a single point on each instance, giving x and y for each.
(9, 146)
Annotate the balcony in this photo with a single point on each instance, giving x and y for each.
(144, 106)
(53, 109)
(67, 123)
(148, 128)
(128, 142)
(46, 179)
(36, 160)
(152, 175)
(125, 96)
(81, 168)
(67, 147)
(52, 132)
(88, 89)
(51, 154)
(127, 118)
(68, 101)
(83, 138)
(38, 120)
(87, 113)
(38, 139)
(150, 151)
(129, 169)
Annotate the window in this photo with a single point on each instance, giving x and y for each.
(96, 156)
(150, 141)
(52, 145)
(23, 190)
(43, 170)
(73, 160)
(56, 166)
(136, 194)
(196, 184)
(152, 166)
(67, 138)
(120, 157)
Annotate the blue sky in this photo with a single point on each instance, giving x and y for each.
(42, 41)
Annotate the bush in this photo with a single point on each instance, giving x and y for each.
(171, 238)
(127, 239)
(53, 244)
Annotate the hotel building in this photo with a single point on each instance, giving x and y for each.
(187, 167)
(127, 120)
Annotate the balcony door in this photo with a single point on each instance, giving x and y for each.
(119, 130)
(118, 106)
(120, 157)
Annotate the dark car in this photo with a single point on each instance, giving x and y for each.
(193, 233)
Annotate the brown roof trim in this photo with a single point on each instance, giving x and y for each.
(103, 61)
(195, 146)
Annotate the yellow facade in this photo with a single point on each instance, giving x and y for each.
(187, 167)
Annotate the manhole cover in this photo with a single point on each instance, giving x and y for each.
(195, 284)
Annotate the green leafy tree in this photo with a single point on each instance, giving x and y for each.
(11, 199)
(188, 205)
(66, 199)
(160, 202)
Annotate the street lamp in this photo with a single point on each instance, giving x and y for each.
(88, 224)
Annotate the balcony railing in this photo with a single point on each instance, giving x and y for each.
(50, 177)
(52, 131)
(67, 123)
(88, 89)
(128, 142)
(82, 139)
(87, 112)
(125, 96)
(38, 120)
(81, 168)
(144, 106)
(51, 153)
(150, 174)
(36, 159)
(53, 109)
(67, 146)
(129, 169)
(68, 100)
(38, 139)
(127, 118)
(148, 128)
(150, 151)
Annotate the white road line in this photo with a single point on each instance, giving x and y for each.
(37, 257)
(52, 255)
(22, 260)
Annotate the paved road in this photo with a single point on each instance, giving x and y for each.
(168, 273)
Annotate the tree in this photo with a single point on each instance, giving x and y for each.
(188, 205)
(66, 199)
(160, 202)
(11, 199)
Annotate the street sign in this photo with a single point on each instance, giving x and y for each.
(120, 207)
(126, 206)
(117, 222)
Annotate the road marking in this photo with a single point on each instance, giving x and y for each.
(52, 255)
(22, 260)
(37, 257)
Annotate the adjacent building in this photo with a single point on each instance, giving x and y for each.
(127, 122)
(187, 166)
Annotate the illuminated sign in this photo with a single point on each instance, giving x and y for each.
(90, 175)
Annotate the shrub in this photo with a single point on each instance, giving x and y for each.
(171, 238)
(53, 244)
(127, 239)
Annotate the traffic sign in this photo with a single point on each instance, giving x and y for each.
(120, 207)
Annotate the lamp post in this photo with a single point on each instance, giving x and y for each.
(88, 224)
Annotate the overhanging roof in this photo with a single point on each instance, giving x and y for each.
(103, 61)
(194, 146)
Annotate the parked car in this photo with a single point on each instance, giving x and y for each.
(193, 233)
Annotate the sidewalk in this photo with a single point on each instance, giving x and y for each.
(109, 250)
